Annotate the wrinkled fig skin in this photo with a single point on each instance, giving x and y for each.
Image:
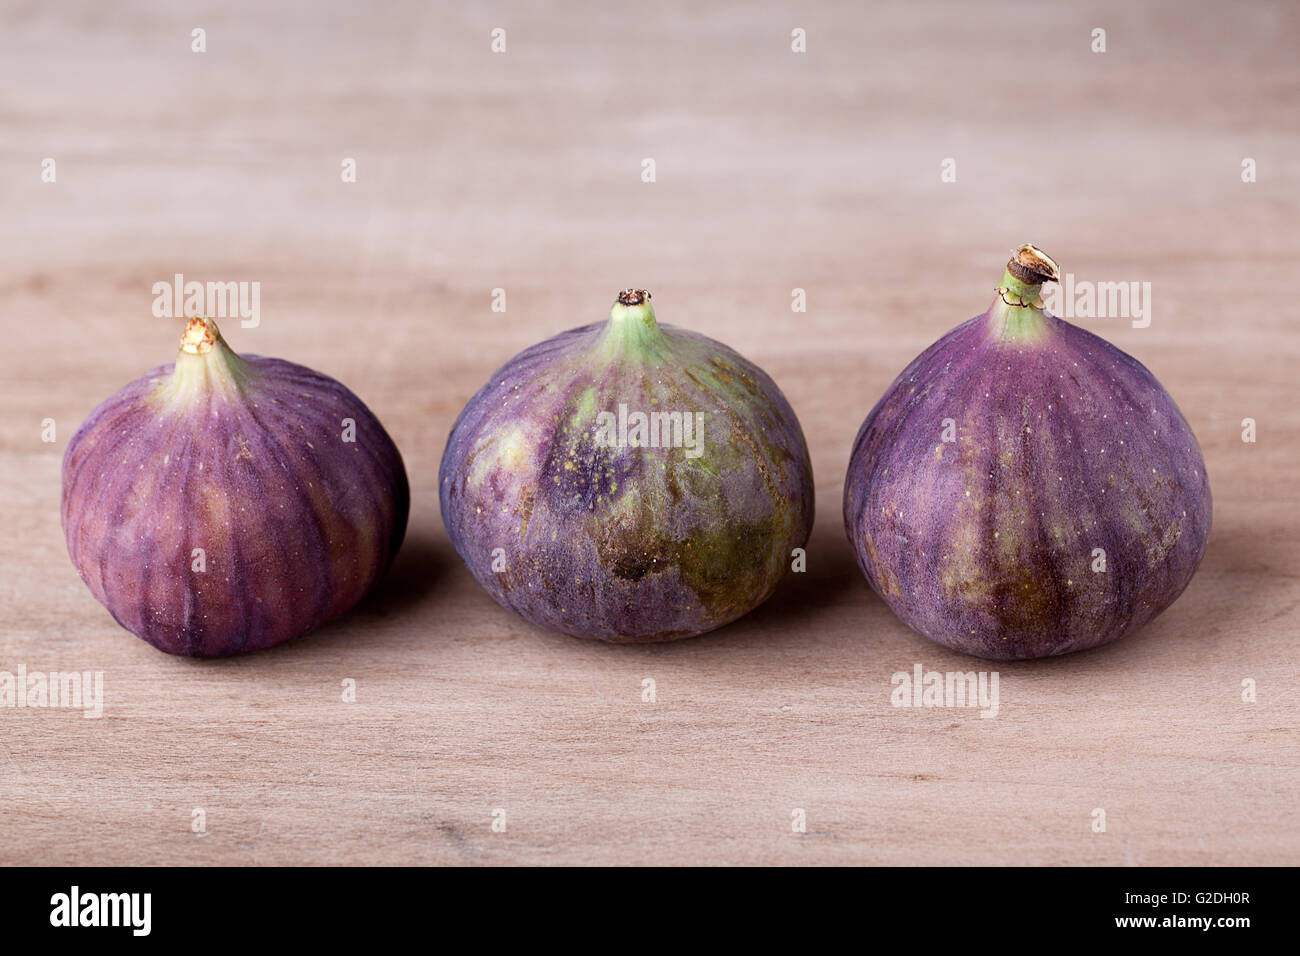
(244, 458)
(1063, 444)
(627, 544)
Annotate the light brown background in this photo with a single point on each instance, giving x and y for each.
(775, 171)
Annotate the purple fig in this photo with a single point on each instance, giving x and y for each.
(1024, 488)
(227, 503)
(628, 481)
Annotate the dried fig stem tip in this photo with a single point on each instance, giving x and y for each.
(633, 297)
(1033, 266)
(200, 337)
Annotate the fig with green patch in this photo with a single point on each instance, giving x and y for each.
(628, 481)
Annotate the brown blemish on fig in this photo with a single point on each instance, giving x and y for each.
(1026, 604)
(525, 511)
(886, 579)
(631, 561)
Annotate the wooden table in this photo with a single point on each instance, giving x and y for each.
(774, 171)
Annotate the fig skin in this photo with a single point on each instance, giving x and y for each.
(243, 457)
(627, 544)
(1063, 444)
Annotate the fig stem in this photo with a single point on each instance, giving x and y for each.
(205, 362)
(632, 328)
(1017, 313)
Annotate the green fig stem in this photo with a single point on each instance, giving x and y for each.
(1017, 312)
(632, 329)
(205, 363)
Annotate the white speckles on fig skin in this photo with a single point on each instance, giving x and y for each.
(243, 458)
(627, 544)
(1064, 444)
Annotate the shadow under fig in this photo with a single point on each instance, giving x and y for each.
(1242, 579)
(832, 570)
(418, 572)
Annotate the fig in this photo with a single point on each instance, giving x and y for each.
(1024, 488)
(227, 503)
(628, 481)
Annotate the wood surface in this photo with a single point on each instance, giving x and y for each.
(775, 171)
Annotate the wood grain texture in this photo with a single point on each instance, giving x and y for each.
(774, 171)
